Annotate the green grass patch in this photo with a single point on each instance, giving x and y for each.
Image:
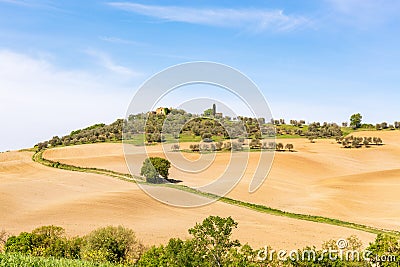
(287, 136)
(349, 130)
(38, 157)
(15, 259)
(137, 140)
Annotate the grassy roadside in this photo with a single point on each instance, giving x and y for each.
(298, 216)
(38, 157)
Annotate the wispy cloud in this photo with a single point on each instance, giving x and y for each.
(15, 2)
(30, 3)
(42, 99)
(116, 40)
(251, 19)
(364, 13)
(108, 63)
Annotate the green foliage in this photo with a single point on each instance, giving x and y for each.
(22, 243)
(92, 134)
(17, 259)
(289, 147)
(326, 130)
(176, 253)
(357, 142)
(237, 146)
(208, 112)
(148, 170)
(206, 136)
(154, 167)
(112, 244)
(95, 126)
(211, 239)
(255, 144)
(355, 120)
(47, 241)
(279, 146)
(385, 246)
(211, 245)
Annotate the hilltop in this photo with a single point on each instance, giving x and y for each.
(175, 124)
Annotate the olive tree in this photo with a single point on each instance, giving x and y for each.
(289, 147)
(154, 167)
(279, 146)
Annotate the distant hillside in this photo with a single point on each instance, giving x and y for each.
(93, 134)
(152, 127)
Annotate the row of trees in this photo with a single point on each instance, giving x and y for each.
(357, 142)
(236, 146)
(385, 125)
(298, 123)
(314, 130)
(326, 130)
(210, 244)
(92, 134)
(356, 119)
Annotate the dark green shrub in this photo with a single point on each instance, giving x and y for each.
(112, 244)
(154, 167)
(43, 241)
(49, 241)
(22, 243)
(73, 248)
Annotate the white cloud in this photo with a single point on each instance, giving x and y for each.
(116, 40)
(252, 19)
(15, 2)
(48, 4)
(106, 61)
(364, 13)
(39, 100)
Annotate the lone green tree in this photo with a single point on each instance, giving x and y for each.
(355, 120)
(212, 240)
(154, 167)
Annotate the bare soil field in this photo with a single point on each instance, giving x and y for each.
(33, 195)
(321, 178)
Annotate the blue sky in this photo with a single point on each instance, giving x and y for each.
(69, 64)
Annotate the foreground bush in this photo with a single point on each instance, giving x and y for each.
(15, 259)
(112, 244)
(211, 245)
(46, 241)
